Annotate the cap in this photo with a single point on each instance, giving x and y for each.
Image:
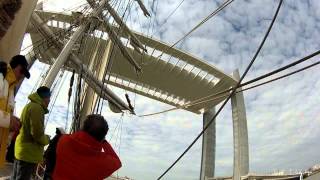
(44, 92)
(20, 60)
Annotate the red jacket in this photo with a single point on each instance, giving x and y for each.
(81, 157)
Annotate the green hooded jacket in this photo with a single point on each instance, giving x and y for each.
(31, 139)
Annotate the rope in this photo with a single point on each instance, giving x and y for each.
(55, 97)
(168, 17)
(99, 104)
(281, 77)
(115, 129)
(232, 93)
(199, 101)
(260, 84)
(215, 12)
(69, 98)
(119, 148)
(77, 104)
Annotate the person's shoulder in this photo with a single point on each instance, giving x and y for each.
(35, 105)
(63, 138)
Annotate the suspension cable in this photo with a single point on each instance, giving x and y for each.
(232, 93)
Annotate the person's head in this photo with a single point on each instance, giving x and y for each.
(96, 126)
(45, 94)
(3, 68)
(19, 66)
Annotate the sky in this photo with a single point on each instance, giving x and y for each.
(283, 117)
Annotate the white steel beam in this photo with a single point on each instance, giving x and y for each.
(92, 81)
(66, 51)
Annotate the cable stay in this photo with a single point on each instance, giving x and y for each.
(231, 94)
(215, 12)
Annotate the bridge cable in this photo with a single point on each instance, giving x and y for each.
(232, 93)
(169, 16)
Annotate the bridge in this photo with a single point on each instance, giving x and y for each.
(168, 75)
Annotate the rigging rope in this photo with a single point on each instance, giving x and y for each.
(115, 129)
(110, 63)
(69, 98)
(169, 16)
(77, 104)
(119, 148)
(281, 77)
(205, 99)
(215, 12)
(260, 84)
(55, 96)
(233, 91)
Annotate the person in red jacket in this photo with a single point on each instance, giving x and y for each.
(86, 155)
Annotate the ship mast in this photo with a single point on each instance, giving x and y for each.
(86, 24)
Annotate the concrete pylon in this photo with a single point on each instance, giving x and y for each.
(240, 134)
(208, 146)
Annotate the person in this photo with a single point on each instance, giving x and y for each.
(10, 76)
(50, 154)
(86, 155)
(31, 140)
(10, 149)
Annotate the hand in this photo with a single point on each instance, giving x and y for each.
(48, 136)
(14, 123)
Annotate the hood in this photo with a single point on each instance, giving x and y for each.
(34, 97)
(11, 77)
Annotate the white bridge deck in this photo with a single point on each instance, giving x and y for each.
(174, 78)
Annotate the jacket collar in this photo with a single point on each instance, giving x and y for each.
(34, 97)
(11, 77)
(85, 139)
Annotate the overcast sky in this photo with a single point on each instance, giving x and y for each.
(283, 117)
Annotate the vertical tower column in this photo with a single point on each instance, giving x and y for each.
(240, 134)
(208, 146)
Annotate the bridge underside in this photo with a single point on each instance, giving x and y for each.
(168, 75)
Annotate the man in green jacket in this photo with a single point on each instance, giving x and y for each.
(31, 139)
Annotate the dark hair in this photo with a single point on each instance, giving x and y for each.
(96, 126)
(3, 68)
(18, 60)
(44, 92)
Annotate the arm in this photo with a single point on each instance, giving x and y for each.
(113, 159)
(14, 123)
(36, 125)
